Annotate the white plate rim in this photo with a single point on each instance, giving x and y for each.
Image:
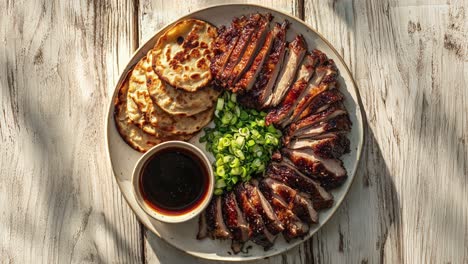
(351, 176)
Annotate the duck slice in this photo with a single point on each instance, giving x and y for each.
(296, 129)
(224, 45)
(324, 79)
(286, 173)
(239, 48)
(322, 101)
(329, 172)
(293, 226)
(214, 220)
(264, 208)
(299, 204)
(250, 76)
(340, 123)
(267, 78)
(295, 54)
(259, 232)
(257, 39)
(285, 108)
(235, 221)
(330, 147)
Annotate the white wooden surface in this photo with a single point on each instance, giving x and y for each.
(60, 59)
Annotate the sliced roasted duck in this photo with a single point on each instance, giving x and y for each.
(235, 221)
(256, 41)
(322, 101)
(266, 80)
(282, 112)
(217, 229)
(333, 146)
(294, 227)
(320, 123)
(329, 172)
(299, 204)
(259, 233)
(324, 79)
(224, 45)
(250, 76)
(244, 38)
(264, 208)
(296, 51)
(286, 173)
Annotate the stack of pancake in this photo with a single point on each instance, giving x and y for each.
(168, 94)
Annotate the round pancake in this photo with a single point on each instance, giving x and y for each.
(148, 116)
(139, 104)
(131, 134)
(176, 101)
(183, 54)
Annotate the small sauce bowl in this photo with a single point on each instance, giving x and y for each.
(173, 182)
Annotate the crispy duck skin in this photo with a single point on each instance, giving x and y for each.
(259, 233)
(323, 100)
(329, 172)
(234, 218)
(278, 114)
(293, 226)
(331, 112)
(324, 79)
(258, 37)
(224, 45)
(256, 198)
(296, 51)
(330, 147)
(250, 76)
(299, 204)
(340, 124)
(286, 173)
(266, 80)
(214, 220)
(238, 50)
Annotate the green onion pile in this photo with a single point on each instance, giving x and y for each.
(240, 141)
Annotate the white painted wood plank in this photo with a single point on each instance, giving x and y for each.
(59, 202)
(409, 200)
(154, 15)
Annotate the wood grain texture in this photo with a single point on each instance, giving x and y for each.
(409, 201)
(59, 202)
(58, 65)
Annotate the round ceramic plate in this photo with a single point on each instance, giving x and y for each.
(182, 236)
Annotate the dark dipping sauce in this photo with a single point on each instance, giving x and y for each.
(174, 181)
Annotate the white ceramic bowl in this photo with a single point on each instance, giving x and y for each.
(137, 171)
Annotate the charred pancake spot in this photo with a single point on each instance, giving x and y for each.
(195, 53)
(195, 76)
(202, 64)
(180, 40)
(203, 45)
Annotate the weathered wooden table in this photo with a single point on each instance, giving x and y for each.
(59, 62)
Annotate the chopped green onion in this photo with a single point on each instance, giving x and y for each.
(241, 142)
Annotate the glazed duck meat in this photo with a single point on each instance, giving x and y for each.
(299, 90)
(285, 108)
(257, 39)
(259, 232)
(238, 50)
(296, 51)
(329, 172)
(235, 221)
(247, 81)
(224, 45)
